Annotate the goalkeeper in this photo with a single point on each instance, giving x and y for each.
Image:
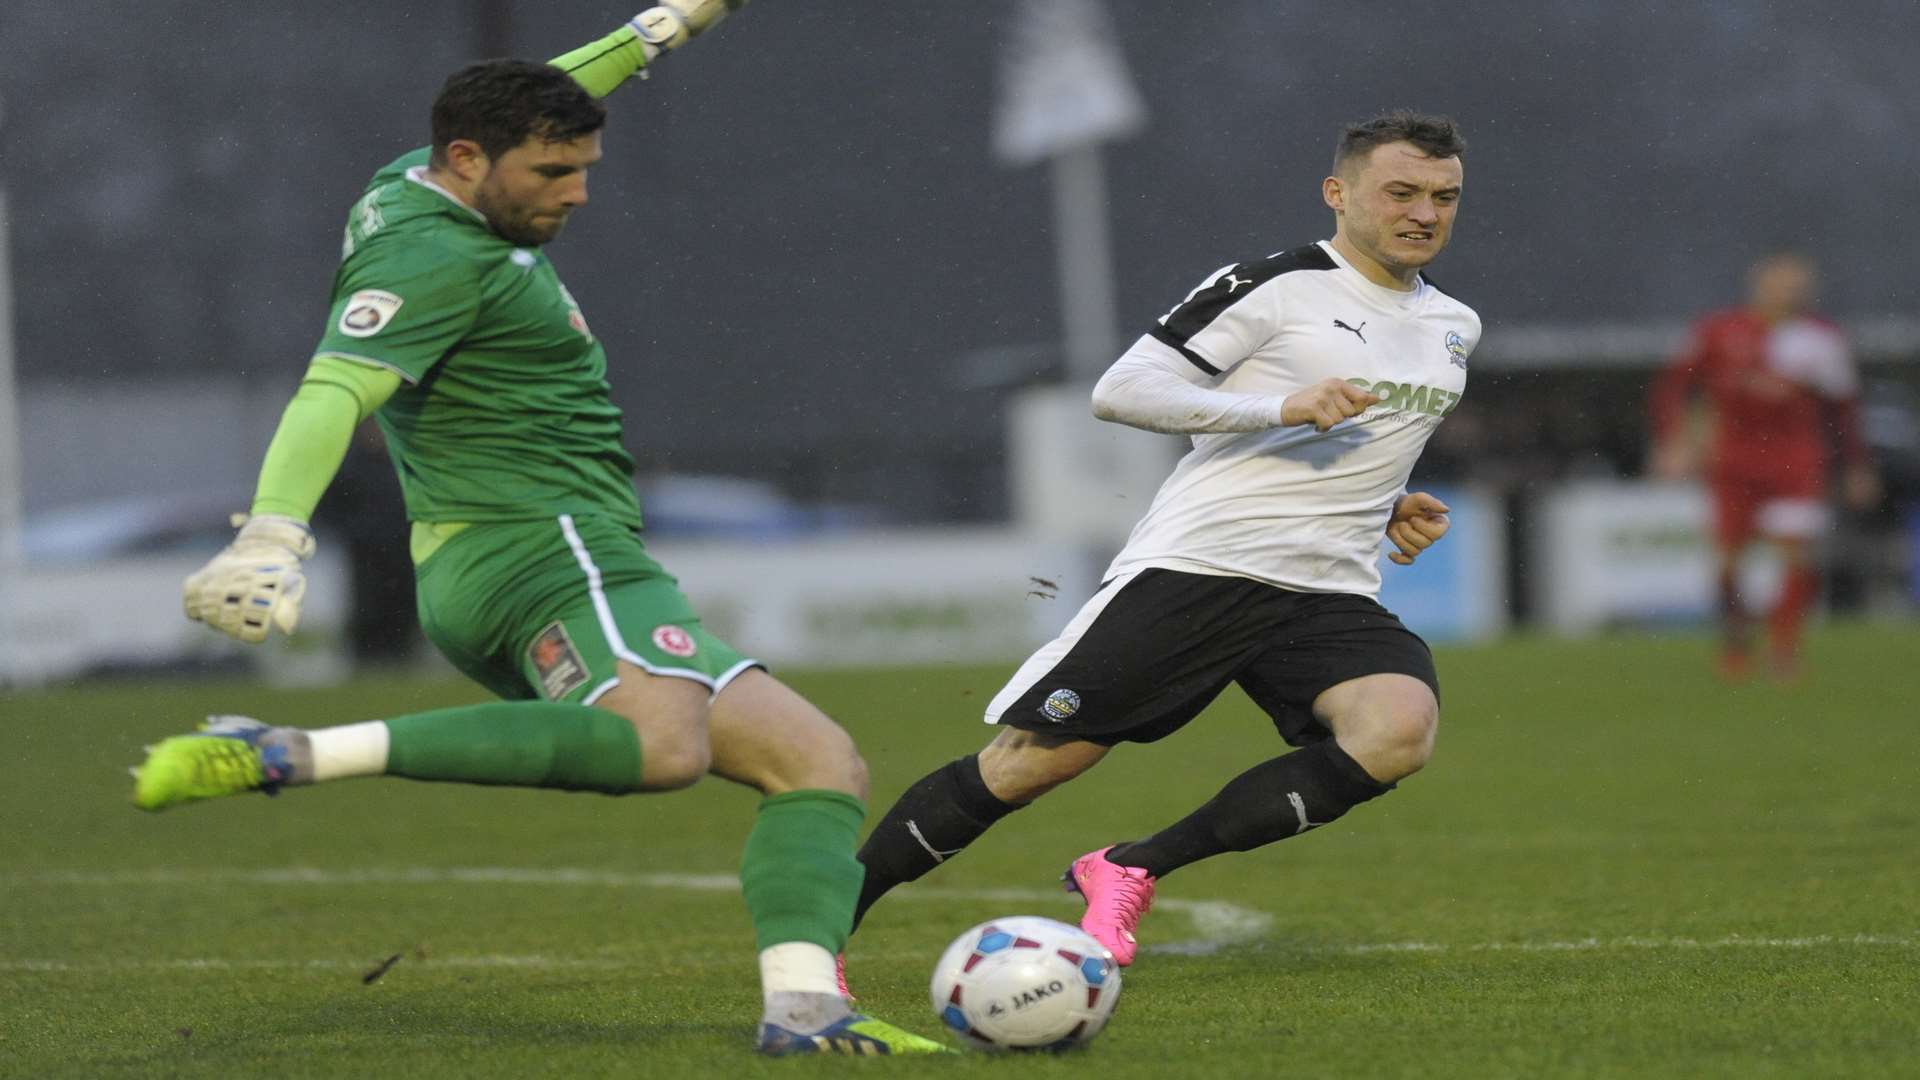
(450, 327)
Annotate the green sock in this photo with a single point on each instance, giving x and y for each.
(798, 873)
(542, 744)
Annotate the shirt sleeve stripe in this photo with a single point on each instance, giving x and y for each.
(1232, 285)
(1165, 337)
(369, 361)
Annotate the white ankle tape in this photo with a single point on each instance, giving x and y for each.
(797, 967)
(349, 750)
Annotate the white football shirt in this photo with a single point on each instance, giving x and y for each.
(1295, 507)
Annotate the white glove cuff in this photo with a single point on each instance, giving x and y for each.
(290, 533)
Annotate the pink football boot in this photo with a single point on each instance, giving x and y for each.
(1117, 896)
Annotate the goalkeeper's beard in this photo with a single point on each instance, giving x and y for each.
(519, 225)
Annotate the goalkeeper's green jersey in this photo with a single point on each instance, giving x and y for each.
(505, 413)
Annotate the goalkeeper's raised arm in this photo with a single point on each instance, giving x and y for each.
(423, 245)
(601, 66)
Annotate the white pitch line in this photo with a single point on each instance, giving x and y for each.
(536, 962)
(1593, 944)
(418, 875)
(1217, 924)
(530, 962)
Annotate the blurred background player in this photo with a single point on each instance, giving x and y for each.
(450, 325)
(1309, 380)
(1779, 388)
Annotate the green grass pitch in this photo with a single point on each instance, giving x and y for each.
(1615, 866)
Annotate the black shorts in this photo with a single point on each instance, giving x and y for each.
(1153, 648)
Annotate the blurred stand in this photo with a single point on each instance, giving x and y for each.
(1552, 434)
(923, 504)
(1875, 548)
(1552, 408)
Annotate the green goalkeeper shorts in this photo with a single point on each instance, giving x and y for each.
(546, 609)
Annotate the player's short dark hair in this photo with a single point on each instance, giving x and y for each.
(1435, 136)
(500, 103)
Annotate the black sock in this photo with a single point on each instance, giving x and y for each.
(942, 813)
(1271, 801)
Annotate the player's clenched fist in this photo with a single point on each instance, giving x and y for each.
(1325, 404)
(1418, 520)
(255, 581)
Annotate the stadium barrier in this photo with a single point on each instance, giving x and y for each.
(1630, 553)
(123, 616)
(884, 597)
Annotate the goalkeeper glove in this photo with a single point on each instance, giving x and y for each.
(254, 581)
(676, 22)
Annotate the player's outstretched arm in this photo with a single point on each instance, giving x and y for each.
(602, 66)
(1154, 388)
(256, 582)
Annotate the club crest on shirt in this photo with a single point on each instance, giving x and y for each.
(367, 312)
(1060, 705)
(1457, 349)
(674, 641)
(557, 662)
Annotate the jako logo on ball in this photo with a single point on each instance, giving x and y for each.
(1038, 993)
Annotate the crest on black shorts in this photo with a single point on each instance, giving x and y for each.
(1060, 704)
(557, 662)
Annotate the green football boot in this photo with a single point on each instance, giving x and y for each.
(225, 757)
(854, 1036)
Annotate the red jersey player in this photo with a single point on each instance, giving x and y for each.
(1780, 385)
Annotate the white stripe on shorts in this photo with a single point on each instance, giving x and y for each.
(611, 629)
(1054, 651)
(726, 677)
(594, 694)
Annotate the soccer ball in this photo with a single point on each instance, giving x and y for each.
(1025, 983)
